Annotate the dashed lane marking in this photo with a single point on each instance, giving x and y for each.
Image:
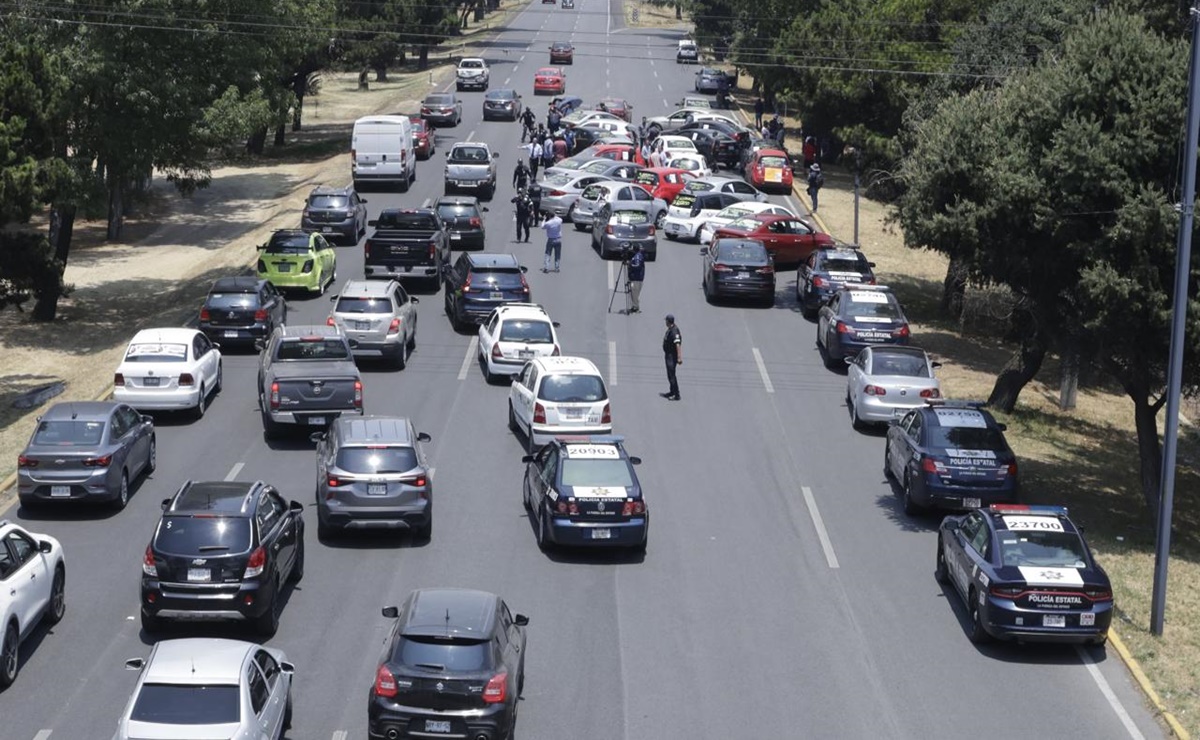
(472, 349)
(762, 370)
(612, 363)
(819, 525)
(233, 472)
(42, 735)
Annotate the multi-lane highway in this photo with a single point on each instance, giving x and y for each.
(784, 593)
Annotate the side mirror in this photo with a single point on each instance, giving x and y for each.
(524, 268)
(849, 360)
(423, 437)
(391, 612)
(261, 247)
(414, 299)
(951, 525)
(555, 324)
(166, 504)
(317, 437)
(147, 419)
(216, 345)
(870, 264)
(1002, 427)
(635, 460)
(527, 458)
(364, 201)
(495, 155)
(485, 209)
(44, 546)
(135, 664)
(295, 506)
(935, 365)
(373, 222)
(333, 298)
(703, 251)
(521, 620)
(287, 667)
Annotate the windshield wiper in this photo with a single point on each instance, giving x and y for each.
(212, 548)
(432, 666)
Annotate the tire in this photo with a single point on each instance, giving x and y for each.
(512, 419)
(217, 386)
(488, 376)
(151, 624)
(855, 422)
(425, 533)
(660, 219)
(1101, 641)
(152, 460)
(58, 598)
(287, 712)
(580, 227)
(298, 565)
(887, 469)
(267, 624)
(401, 359)
(826, 358)
(530, 447)
(978, 634)
(670, 237)
(570, 214)
(940, 572)
(412, 338)
(525, 497)
(911, 507)
(122, 498)
(404, 184)
(543, 538)
(10, 656)
(201, 403)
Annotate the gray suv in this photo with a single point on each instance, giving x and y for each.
(378, 317)
(337, 213)
(372, 474)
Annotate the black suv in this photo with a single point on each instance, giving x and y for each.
(241, 310)
(222, 551)
(463, 217)
(337, 213)
(478, 283)
(454, 666)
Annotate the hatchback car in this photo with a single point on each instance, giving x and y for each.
(477, 283)
(222, 550)
(86, 451)
(883, 380)
(620, 229)
(614, 195)
(738, 268)
(613, 169)
(372, 473)
(502, 103)
(463, 217)
(200, 688)
(453, 666)
(825, 272)
(379, 318)
(552, 396)
(857, 317)
(709, 80)
(790, 240)
(560, 192)
(667, 147)
(732, 185)
(241, 310)
(168, 369)
(562, 52)
(292, 258)
(689, 211)
(33, 576)
(513, 335)
(441, 109)
(337, 213)
(770, 170)
(664, 183)
(424, 140)
(694, 164)
(584, 491)
(550, 81)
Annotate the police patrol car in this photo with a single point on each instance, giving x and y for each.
(1025, 573)
(950, 454)
(584, 491)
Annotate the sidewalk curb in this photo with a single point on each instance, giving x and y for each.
(1147, 688)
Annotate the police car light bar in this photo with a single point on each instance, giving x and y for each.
(953, 404)
(1028, 509)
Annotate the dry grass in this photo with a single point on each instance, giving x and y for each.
(650, 16)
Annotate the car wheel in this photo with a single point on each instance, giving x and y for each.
(201, 403)
(150, 623)
(152, 458)
(570, 214)
(412, 338)
(887, 455)
(122, 493)
(525, 496)
(404, 183)
(512, 419)
(940, 573)
(978, 634)
(670, 237)
(488, 376)
(543, 537)
(580, 227)
(910, 506)
(220, 382)
(402, 356)
(660, 219)
(267, 624)
(10, 654)
(298, 565)
(287, 712)
(855, 421)
(530, 445)
(1101, 641)
(826, 357)
(805, 311)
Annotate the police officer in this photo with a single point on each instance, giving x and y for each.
(637, 273)
(524, 214)
(816, 181)
(528, 118)
(520, 176)
(673, 354)
(535, 199)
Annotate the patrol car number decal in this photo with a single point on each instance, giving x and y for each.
(592, 452)
(873, 319)
(1035, 576)
(598, 491)
(866, 296)
(960, 418)
(1044, 523)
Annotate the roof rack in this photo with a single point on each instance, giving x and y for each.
(1028, 509)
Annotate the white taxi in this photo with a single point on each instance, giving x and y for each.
(553, 396)
(166, 369)
(694, 162)
(513, 335)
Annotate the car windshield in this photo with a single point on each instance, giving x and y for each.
(319, 349)
(499, 95)
(906, 365)
(562, 47)
(471, 64)
(439, 100)
(206, 534)
(684, 201)
(965, 438)
(1042, 549)
(735, 212)
(630, 218)
(468, 154)
(605, 473)
(749, 223)
(363, 305)
(444, 655)
(871, 305)
(679, 142)
(774, 162)
(329, 202)
(156, 352)
(407, 221)
(524, 330)
(376, 459)
(232, 300)
(72, 433)
(686, 163)
(418, 125)
(189, 704)
(572, 389)
(597, 168)
(498, 277)
(290, 244)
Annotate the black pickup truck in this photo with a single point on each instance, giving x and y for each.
(410, 243)
(307, 377)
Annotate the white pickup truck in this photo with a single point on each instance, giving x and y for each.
(472, 73)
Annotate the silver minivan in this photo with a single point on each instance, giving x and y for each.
(378, 317)
(372, 473)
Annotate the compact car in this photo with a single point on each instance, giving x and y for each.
(379, 319)
(478, 282)
(620, 228)
(169, 369)
(441, 109)
(738, 268)
(513, 335)
(238, 311)
(562, 52)
(825, 272)
(880, 381)
(336, 212)
(297, 259)
(770, 170)
(424, 140)
(550, 81)
(502, 103)
(33, 576)
(856, 317)
(552, 396)
(789, 239)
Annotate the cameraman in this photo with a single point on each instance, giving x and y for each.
(636, 267)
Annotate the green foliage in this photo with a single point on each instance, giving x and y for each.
(234, 116)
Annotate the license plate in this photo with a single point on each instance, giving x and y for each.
(360, 325)
(316, 421)
(525, 353)
(437, 725)
(1054, 620)
(284, 266)
(971, 503)
(149, 382)
(497, 295)
(601, 534)
(231, 335)
(60, 491)
(455, 236)
(673, 228)
(203, 575)
(572, 413)
(376, 489)
(327, 229)
(1087, 620)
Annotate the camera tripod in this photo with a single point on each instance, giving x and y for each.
(621, 273)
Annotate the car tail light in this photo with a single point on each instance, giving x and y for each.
(496, 690)
(333, 481)
(539, 414)
(558, 193)
(256, 563)
(475, 222)
(418, 482)
(186, 379)
(1011, 469)
(204, 315)
(844, 328)
(901, 332)
(1006, 592)
(556, 351)
(260, 314)
(394, 327)
(118, 380)
(931, 393)
(432, 250)
(1098, 594)
(385, 683)
(497, 353)
(330, 322)
(874, 390)
(424, 111)
(718, 267)
(651, 231)
(148, 566)
(606, 415)
(524, 285)
(367, 248)
(819, 282)
(869, 281)
(929, 465)
(467, 284)
(358, 394)
(274, 396)
(634, 507)
(768, 270)
(26, 462)
(308, 266)
(261, 266)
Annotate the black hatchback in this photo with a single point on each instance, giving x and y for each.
(222, 551)
(241, 310)
(463, 217)
(454, 666)
(738, 268)
(477, 283)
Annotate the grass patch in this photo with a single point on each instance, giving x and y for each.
(641, 14)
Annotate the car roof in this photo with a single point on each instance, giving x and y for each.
(309, 330)
(567, 365)
(373, 430)
(562, 43)
(80, 411)
(164, 334)
(493, 259)
(197, 660)
(521, 310)
(895, 349)
(957, 415)
(332, 190)
(224, 497)
(840, 252)
(366, 288)
(1004, 515)
(769, 152)
(456, 611)
(290, 232)
(239, 284)
(471, 59)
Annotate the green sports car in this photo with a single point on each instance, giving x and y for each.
(297, 259)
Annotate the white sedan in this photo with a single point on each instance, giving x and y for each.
(667, 147)
(513, 335)
(738, 210)
(168, 369)
(33, 575)
(694, 162)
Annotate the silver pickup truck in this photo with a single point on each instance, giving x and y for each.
(307, 377)
(471, 165)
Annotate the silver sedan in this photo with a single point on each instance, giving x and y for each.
(559, 192)
(883, 380)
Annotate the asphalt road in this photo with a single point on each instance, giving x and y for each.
(784, 593)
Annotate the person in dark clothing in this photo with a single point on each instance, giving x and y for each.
(528, 118)
(521, 176)
(673, 354)
(524, 214)
(759, 107)
(816, 180)
(637, 273)
(535, 198)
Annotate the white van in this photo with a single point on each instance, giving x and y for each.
(381, 150)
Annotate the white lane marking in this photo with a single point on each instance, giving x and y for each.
(471, 136)
(339, 735)
(762, 369)
(608, 286)
(666, 103)
(656, 73)
(472, 350)
(233, 472)
(506, 79)
(425, 204)
(612, 363)
(819, 525)
(522, 58)
(1105, 689)
(42, 734)
(660, 87)
(608, 83)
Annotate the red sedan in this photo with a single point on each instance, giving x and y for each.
(770, 171)
(789, 239)
(623, 152)
(423, 144)
(663, 182)
(550, 80)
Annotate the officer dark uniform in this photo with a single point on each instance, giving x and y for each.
(673, 354)
(535, 197)
(524, 215)
(521, 176)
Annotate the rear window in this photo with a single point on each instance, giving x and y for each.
(329, 202)
(232, 300)
(202, 535)
(742, 252)
(632, 218)
(843, 264)
(408, 221)
(501, 278)
(500, 95)
(603, 473)
(471, 64)
(593, 192)
(886, 309)
(774, 162)
(364, 305)
(572, 389)
(468, 154)
(169, 704)
(524, 330)
(646, 177)
(966, 438)
(597, 168)
(899, 364)
(322, 349)
(450, 655)
(439, 100)
(377, 459)
(291, 244)
(455, 211)
(156, 352)
(699, 186)
(69, 433)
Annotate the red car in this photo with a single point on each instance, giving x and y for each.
(619, 107)
(663, 182)
(769, 170)
(789, 239)
(550, 80)
(562, 52)
(423, 144)
(623, 152)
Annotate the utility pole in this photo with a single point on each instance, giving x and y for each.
(857, 154)
(1183, 264)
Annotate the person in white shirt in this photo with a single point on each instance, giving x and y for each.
(535, 159)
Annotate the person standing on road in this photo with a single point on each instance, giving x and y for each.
(673, 354)
(535, 198)
(816, 180)
(553, 227)
(759, 107)
(637, 273)
(524, 214)
(528, 118)
(535, 159)
(520, 176)
(548, 152)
